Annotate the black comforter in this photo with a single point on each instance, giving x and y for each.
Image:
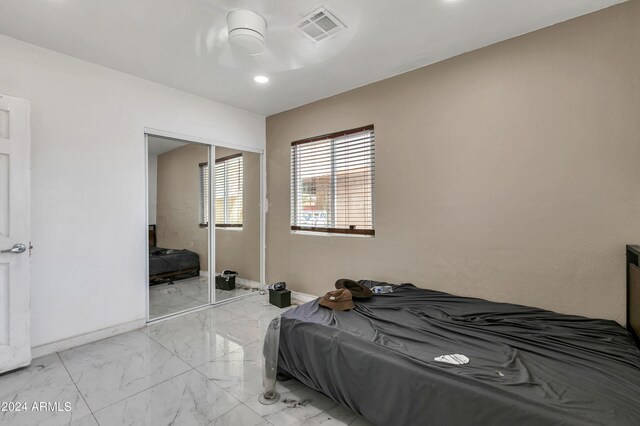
(527, 366)
(162, 260)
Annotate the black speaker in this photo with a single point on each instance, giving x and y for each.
(225, 282)
(280, 298)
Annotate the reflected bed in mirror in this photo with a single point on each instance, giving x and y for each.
(178, 246)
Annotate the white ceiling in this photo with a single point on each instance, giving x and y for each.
(158, 145)
(182, 43)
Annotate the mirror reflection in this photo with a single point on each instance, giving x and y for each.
(236, 180)
(178, 236)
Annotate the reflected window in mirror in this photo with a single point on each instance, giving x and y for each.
(228, 184)
(204, 194)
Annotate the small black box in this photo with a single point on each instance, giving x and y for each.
(225, 283)
(280, 298)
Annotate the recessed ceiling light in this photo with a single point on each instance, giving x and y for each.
(261, 79)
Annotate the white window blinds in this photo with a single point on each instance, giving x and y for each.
(228, 184)
(332, 182)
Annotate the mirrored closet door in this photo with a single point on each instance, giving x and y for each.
(236, 196)
(178, 250)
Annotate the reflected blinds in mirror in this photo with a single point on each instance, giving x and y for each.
(228, 191)
(204, 194)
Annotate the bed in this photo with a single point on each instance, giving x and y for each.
(527, 366)
(167, 264)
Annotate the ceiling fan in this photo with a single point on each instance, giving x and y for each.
(246, 29)
(271, 40)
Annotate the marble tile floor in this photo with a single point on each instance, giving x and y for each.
(240, 290)
(166, 299)
(203, 368)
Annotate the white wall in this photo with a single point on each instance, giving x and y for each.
(88, 208)
(153, 188)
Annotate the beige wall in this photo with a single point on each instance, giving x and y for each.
(178, 198)
(239, 250)
(510, 173)
(178, 211)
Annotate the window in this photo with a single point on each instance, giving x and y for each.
(228, 185)
(332, 181)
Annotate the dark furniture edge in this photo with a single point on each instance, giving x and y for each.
(633, 257)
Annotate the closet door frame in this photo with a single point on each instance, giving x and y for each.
(211, 229)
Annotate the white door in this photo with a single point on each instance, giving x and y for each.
(15, 233)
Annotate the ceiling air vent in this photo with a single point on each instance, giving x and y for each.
(320, 25)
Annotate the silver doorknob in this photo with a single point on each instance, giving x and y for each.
(17, 248)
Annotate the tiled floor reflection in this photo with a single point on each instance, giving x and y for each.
(181, 295)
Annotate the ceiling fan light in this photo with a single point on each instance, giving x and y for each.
(246, 31)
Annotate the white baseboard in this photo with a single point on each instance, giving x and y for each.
(204, 273)
(302, 297)
(295, 295)
(72, 342)
(248, 283)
